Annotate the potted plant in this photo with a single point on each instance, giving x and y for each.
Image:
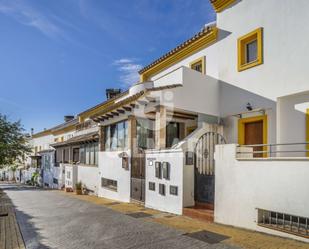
(78, 188)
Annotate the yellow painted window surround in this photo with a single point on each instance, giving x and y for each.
(199, 65)
(307, 131)
(242, 44)
(241, 129)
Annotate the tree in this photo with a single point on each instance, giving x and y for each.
(13, 142)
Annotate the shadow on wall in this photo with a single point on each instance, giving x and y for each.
(30, 233)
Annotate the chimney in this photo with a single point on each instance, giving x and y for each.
(112, 92)
(68, 118)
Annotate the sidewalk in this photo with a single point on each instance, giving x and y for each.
(236, 237)
(10, 236)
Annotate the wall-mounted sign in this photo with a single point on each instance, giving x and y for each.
(173, 190)
(150, 161)
(166, 170)
(152, 186)
(158, 170)
(161, 189)
(125, 160)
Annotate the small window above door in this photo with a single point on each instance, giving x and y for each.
(198, 65)
(250, 50)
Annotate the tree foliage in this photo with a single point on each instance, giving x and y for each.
(13, 142)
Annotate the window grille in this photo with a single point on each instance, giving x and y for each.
(288, 223)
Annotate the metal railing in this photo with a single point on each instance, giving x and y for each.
(288, 223)
(273, 150)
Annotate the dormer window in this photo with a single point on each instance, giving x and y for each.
(198, 65)
(250, 48)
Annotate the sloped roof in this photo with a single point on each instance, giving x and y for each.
(91, 136)
(204, 32)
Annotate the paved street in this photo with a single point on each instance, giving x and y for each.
(50, 219)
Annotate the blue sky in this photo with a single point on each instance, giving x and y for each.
(58, 57)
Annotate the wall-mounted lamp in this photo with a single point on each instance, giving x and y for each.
(249, 107)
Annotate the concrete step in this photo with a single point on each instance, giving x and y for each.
(199, 213)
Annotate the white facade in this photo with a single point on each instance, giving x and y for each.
(284, 70)
(245, 185)
(167, 202)
(88, 175)
(110, 167)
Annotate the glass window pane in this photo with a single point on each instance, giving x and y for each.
(82, 154)
(113, 137)
(107, 137)
(126, 133)
(91, 148)
(251, 50)
(120, 131)
(145, 134)
(172, 134)
(96, 153)
(87, 154)
(197, 67)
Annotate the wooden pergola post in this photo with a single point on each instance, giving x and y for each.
(101, 138)
(160, 127)
(132, 138)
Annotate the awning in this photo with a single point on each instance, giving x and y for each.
(129, 103)
(85, 138)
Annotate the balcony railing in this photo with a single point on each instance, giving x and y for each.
(283, 150)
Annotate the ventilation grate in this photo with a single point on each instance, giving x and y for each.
(207, 236)
(139, 215)
(288, 223)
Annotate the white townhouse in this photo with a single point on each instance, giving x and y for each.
(77, 155)
(42, 159)
(216, 127)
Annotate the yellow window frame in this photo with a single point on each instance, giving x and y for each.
(242, 51)
(201, 60)
(241, 129)
(307, 131)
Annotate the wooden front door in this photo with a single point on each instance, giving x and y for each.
(254, 135)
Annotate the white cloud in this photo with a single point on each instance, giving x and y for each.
(26, 15)
(128, 69)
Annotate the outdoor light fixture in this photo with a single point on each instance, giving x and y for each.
(249, 107)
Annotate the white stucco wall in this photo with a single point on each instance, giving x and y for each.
(284, 70)
(168, 203)
(292, 122)
(89, 176)
(243, 186)
(233, 100)
(110, 167)
(43, 141)
(211, 55)
(199, 93)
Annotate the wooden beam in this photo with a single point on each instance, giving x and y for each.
(142, 102)
(150, 99)
(120, 111)
(127, 108)
(115, 113)
(109, 115)
(100, 118)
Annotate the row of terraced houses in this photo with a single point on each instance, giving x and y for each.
(217, 128)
